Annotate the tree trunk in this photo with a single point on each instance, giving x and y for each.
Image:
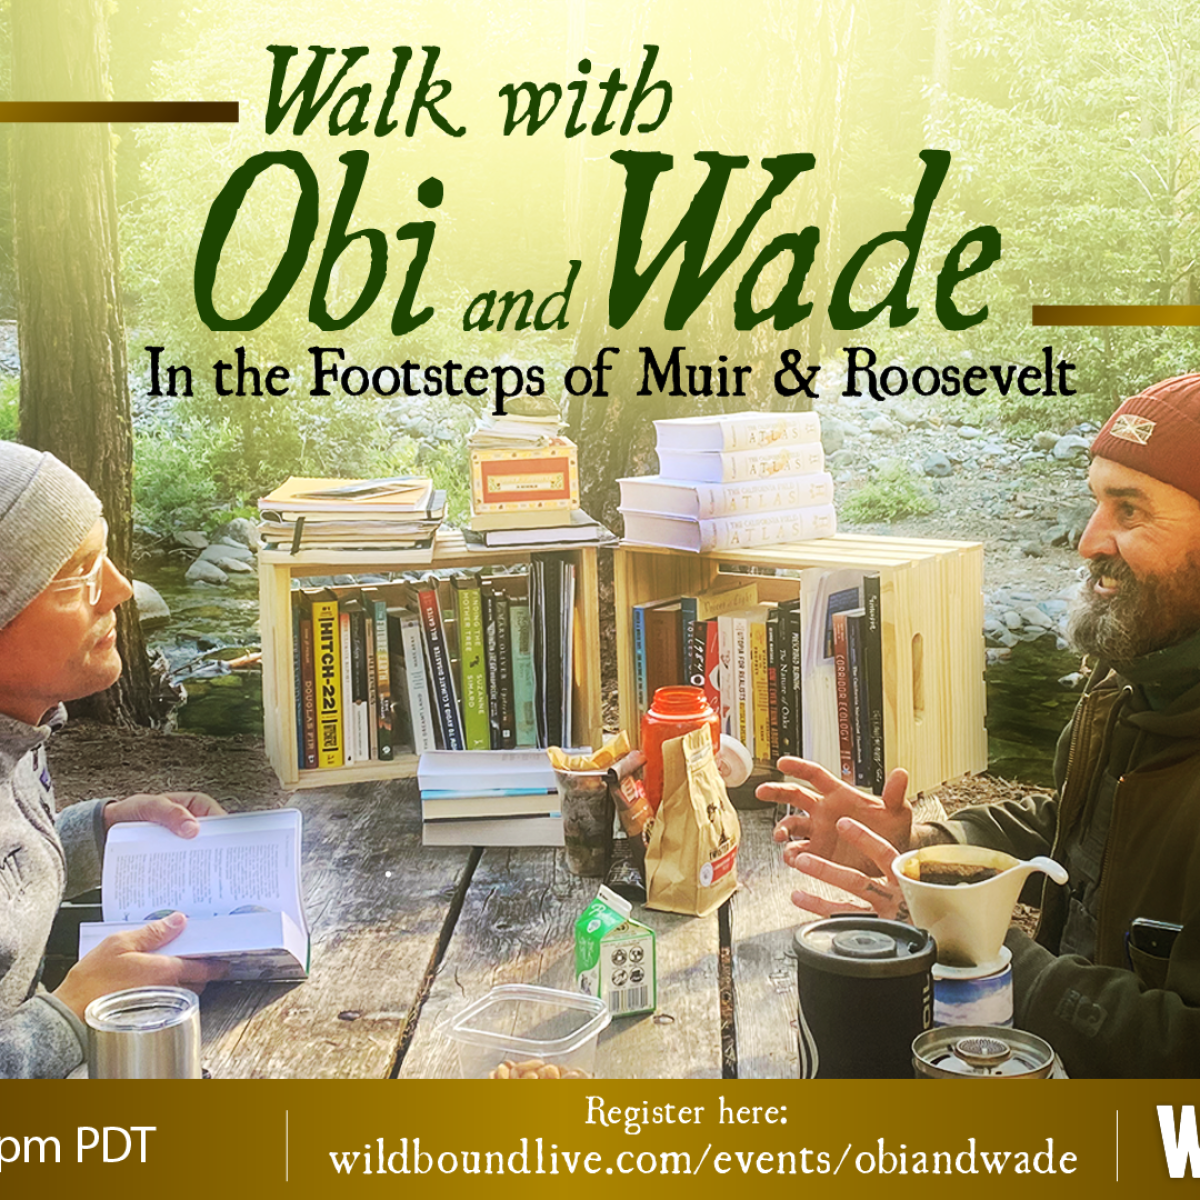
(71, 330)
(615, 434)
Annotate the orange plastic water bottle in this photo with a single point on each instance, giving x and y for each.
(673, 712)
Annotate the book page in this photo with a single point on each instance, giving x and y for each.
(236, 864)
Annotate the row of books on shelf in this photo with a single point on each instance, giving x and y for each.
(799, 676)
(461, 661)
(506, 798)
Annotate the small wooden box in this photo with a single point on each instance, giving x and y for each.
(525, 480)
(277, 569)
(933, 651)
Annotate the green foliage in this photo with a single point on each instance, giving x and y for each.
(202, 472)
(449, 466)
(1073, 132)
(10, 398)
(892, 493)
(173, 485)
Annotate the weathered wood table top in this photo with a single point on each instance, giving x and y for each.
(403, 934)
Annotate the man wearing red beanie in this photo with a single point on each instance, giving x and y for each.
(1125, 820)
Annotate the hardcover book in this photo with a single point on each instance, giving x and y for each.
(707, 501)
(327, 668)
(737, 431)
(441, 672)
(741, 466)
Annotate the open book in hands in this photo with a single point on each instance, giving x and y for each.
(237, 880)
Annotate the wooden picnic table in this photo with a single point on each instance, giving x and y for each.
(403, 934)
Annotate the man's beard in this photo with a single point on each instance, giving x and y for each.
(1145, 614)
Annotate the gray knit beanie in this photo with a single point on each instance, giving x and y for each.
(46, 511)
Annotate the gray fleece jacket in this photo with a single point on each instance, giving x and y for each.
(42, 860)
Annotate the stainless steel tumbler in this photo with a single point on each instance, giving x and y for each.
(144, 1033)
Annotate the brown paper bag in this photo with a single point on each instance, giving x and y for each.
(691, 862)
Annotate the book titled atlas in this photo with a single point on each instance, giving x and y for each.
(737, 431)
(729, 533)
(706, 501)
(741, 466)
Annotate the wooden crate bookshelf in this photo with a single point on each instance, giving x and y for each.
(277, 569)
(933, 652)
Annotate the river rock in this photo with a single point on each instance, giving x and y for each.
(1046, 440)
(970, 432)
(833, 435)
(937, 465)
(152, 608)
(1074, 518)
(1032, 615)
(191, 539)
(216, 553)
(1070, 447)
(885, 427)
(235, 566)
(239, 532)
(205, 571)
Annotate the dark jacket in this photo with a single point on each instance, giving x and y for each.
(1119, 1013)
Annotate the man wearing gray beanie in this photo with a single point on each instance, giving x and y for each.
(58, 596)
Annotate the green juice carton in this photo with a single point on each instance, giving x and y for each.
(614, 956)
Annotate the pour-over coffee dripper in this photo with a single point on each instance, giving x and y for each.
(967, 920)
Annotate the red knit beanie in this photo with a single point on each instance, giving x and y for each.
(1157, 432)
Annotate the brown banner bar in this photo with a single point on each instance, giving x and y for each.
(1116, 314)
(169, 112)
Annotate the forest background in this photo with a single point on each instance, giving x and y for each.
(1072, 128)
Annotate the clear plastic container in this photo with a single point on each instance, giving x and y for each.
(518, 1028)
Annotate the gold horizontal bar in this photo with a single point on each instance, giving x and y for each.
(123, 112)
(1116, 314)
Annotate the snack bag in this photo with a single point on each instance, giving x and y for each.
(692, 856)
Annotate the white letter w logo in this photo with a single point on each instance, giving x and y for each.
(1181, 1149)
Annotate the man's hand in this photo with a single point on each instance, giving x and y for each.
(176, 811)
(124, 960)
(825, 799)
(878, 888)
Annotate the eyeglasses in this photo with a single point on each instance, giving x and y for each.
(91, 579)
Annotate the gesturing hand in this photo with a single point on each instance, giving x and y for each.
(879, 889)
(176, 811)
(825, 799)
(126, 960)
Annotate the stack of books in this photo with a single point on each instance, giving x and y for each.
(525, 483)
(502, 798)
(457, 661)
(732, 482)
(398, 514)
